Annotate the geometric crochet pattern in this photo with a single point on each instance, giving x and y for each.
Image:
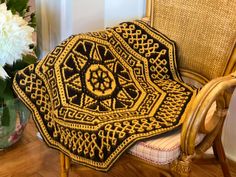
(97, 93)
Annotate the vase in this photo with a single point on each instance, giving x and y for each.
(13, 119)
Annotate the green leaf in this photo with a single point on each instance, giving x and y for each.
(32, 21)
(17, 5)
(36, 51)
(28, 9)
(11, 69)
(19, 64)
(29, 59)
(9, 113)
(8, 93)
(5, 116)
(2, 86)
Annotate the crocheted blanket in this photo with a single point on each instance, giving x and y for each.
(98, 93)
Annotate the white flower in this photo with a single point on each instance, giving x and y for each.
(15, 36)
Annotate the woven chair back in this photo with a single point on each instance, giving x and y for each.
(204, 32)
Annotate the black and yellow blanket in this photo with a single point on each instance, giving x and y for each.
(96, 94)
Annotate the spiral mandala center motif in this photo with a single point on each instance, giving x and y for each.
(99, 80)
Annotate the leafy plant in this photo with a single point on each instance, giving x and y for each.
(22, 9)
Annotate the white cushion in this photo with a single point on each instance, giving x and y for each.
(160, 150)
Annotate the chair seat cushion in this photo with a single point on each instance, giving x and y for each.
(160, 150)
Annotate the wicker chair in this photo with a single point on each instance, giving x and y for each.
(205, 33)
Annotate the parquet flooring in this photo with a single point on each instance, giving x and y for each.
(32, 158)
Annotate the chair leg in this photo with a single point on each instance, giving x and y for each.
(65, 165)
(220, 155)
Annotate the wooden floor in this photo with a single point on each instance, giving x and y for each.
(32, 158)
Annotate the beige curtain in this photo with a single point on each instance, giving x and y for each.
(48, 24)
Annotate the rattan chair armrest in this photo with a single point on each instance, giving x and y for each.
(218, 90)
